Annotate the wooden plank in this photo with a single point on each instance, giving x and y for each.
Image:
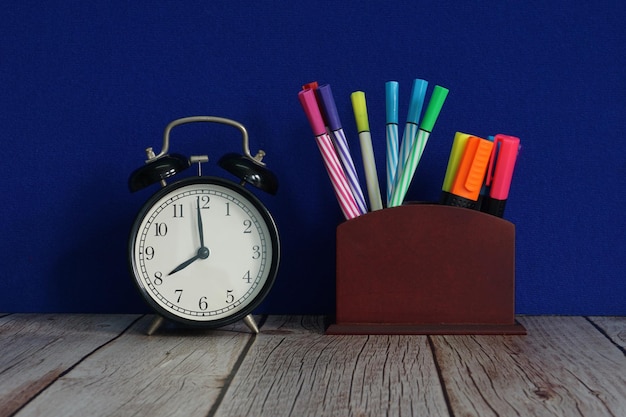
(37, 349)
(173, 372)
(293, 369)
(564, 367)
(614, 328)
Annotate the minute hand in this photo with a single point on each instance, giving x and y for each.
(200, 231)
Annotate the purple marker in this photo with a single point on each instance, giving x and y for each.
(331, 118)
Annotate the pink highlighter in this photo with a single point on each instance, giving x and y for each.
(499, 179)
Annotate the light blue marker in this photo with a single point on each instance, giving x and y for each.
(391, 134)
(418, 93)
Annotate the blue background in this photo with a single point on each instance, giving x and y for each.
(87, 86)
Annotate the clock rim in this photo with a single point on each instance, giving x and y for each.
(273, 236)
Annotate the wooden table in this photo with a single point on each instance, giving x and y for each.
(105, 365)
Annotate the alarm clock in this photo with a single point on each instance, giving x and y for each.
(203, 251)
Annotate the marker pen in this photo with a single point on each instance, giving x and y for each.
(499, 179)
(456, 153)
(391, 133)
(437, 98)
(331, 118)
(471, 173)
(418, 93)
(484, 190)
(331, 161)
(367, 152)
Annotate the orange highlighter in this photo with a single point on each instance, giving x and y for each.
(470, 175)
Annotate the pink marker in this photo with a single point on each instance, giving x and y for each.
(331, 160)
(499, 179)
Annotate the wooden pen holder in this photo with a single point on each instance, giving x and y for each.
(426, 269)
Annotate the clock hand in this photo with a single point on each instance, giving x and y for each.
(184, 264)
(203, 253)
(200, 231)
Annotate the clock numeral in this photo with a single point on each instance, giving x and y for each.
(248, 226)
(149, 253)
(180, 294)
(160, 229)
(158, 278)
(205, 199)
(227, 208)
(247, 277)
(202, 304)
(256, 252)
(178, 210)
(229, 296)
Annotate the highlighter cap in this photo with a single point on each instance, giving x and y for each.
(437, 98)
(328, 106)
(310, 86)
(312, 111)
(391, 97)
(499, 178)
(471, 173)
(418, 93)
(456, 153)
(360, 111)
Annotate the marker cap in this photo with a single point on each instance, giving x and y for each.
(418, 92)
(310, 86)
(499, 178)
(471, 172)
(437, 98)
(391, 97)
(328, 106)
(360, 111)
(456, 153)
(312, 111)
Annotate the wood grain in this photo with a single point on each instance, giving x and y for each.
(293, 369)
(614, 328)
(96, 365)
(173, 372)
(564, 367)
(37, 349)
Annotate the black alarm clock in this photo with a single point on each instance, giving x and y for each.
(204, 251)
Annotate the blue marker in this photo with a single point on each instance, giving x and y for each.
(391, 134)
(418, 93)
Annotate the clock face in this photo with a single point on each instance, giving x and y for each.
(204, 251)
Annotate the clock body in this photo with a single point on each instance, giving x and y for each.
(204, 251)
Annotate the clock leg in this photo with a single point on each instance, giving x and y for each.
(249, 320)
(154, 326)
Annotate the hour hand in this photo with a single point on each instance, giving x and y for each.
(203, 253)
(184, 264)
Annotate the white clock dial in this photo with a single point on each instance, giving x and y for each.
(204, 251)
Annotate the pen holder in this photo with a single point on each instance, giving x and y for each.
(426, 269)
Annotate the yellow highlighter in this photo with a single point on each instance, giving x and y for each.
(458, 147)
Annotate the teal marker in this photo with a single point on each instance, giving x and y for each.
(437, 98)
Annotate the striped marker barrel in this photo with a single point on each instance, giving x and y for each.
(344, 153)
(392, 157)
(337, 177)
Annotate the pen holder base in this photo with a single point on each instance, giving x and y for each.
(426, 269)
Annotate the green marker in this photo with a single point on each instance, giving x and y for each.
(437, 98)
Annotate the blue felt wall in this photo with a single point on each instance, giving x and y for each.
(86, 86)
